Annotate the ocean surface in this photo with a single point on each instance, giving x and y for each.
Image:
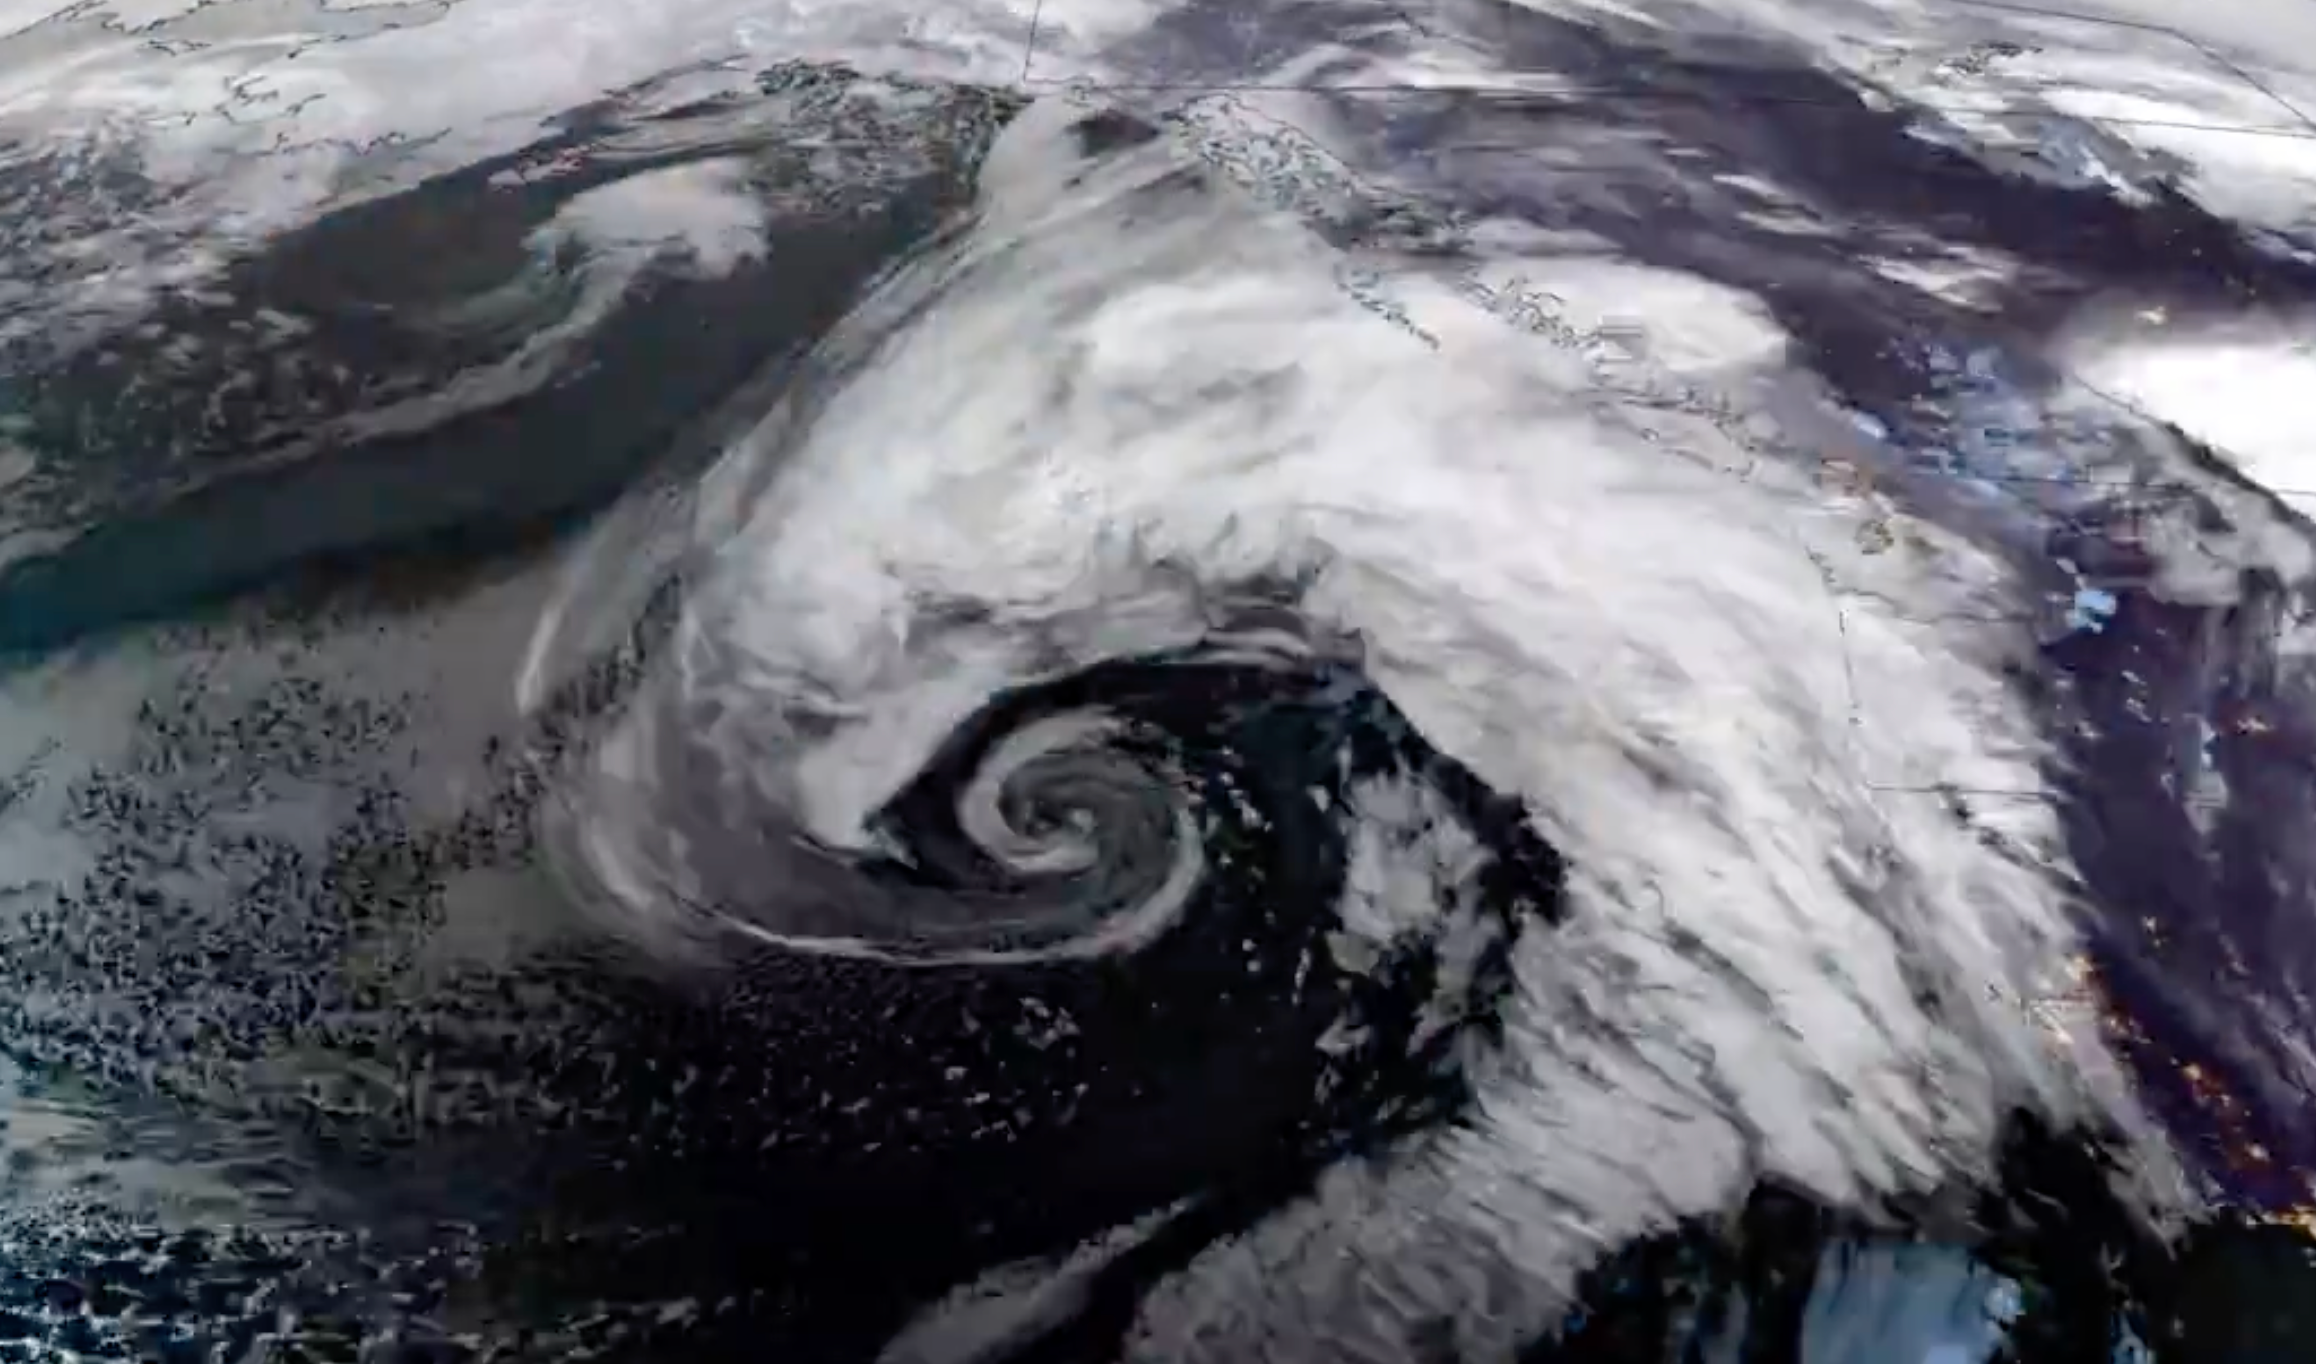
(1086, 681)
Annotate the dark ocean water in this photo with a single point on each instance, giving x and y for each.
(783, 1162)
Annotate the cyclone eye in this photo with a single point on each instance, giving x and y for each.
(1130, 932)
(1110, 130)
(1040, 803)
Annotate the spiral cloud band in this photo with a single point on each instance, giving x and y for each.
(1112, 482)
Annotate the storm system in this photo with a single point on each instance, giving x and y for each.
(1310, 681)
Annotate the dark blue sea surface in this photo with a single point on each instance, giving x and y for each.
(578, 1159)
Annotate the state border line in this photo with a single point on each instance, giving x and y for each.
(1835, 595)
(1840, 601)
(2087, 481)
(1603, 93)
(1840, 598)
(2306, 129)
(2113, 400)
(2218, 58)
